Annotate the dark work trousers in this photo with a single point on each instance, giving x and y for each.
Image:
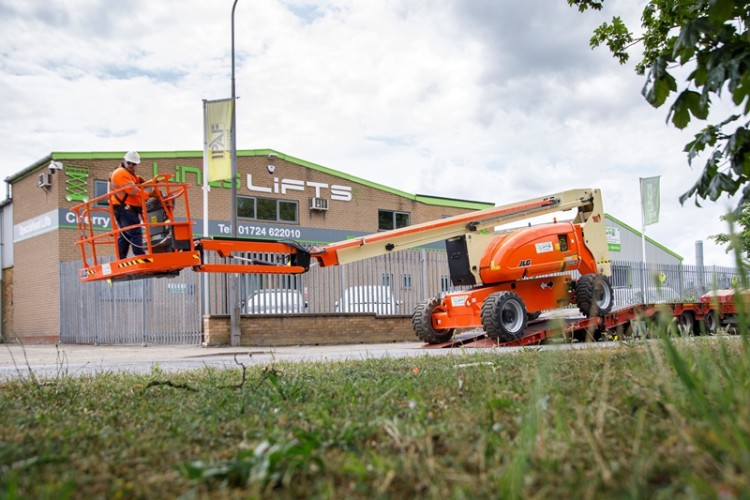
(127, 217)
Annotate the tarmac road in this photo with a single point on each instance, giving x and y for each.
(50, 361)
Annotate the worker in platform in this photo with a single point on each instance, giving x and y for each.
(126, 204)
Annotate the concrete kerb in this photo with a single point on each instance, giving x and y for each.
(74, 353)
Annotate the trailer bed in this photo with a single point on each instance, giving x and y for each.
(713, 311)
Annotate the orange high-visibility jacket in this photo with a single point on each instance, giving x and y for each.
(134, 195)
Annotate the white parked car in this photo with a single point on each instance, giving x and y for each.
(376, 299)
(630, 296)
(275, 301)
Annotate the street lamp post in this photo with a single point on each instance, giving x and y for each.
(232, 295)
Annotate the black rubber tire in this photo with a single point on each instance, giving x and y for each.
(711, 322)
(421, 321)
(591, 334)
(504, 316)
(622, 332)
(534, 315)
(661, 324)
(686, 323)
(594, 295)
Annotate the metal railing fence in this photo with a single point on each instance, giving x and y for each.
(170, 310)
(146, 311)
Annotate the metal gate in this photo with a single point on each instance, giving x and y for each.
(145, 311)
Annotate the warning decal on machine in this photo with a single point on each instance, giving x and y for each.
(544, 247)
(458, 300)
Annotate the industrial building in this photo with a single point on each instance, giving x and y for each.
(278, 197)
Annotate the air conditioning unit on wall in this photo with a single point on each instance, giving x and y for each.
(44, 180)
(318, 204)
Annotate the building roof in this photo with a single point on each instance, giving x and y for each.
(639, 234)
(117, 155)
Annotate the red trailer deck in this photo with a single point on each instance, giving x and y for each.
(714, 310)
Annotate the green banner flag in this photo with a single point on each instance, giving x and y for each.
(650, 199)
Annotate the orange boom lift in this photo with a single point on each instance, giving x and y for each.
(512, 275)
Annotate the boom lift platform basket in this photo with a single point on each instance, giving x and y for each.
(169, 244)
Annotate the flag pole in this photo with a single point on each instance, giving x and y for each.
(205, 199)
(644, 286)
(233, 279)
(205, 169)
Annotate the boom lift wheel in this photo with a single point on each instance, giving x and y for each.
(504, 316)
(421, 321)
(594, 295)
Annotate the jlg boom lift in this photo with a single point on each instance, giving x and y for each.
(511, 275)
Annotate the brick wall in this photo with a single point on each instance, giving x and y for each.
(7, 325)
(36, 289)
(360, 214)
(36, 272)
(319, 329)
(35, 298)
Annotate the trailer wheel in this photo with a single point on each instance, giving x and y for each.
(594, 295)
(686, 323)
(621, 332)
(662, 323)
(504, 316)
(421, 321)
(711, 321)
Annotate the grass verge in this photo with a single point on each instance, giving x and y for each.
(641, 420)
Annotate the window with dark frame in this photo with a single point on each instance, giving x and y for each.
(268, 209)
(391, 219)
(101, 188)
(406, 281)
(445, 284)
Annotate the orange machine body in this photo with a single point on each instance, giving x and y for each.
(464, 309)
(536, 251)
(533, 262)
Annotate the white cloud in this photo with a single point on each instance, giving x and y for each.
(475, 99)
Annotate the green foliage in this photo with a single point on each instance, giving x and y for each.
(710, 38)
(737, 242)
(268, 466)
(713, 393)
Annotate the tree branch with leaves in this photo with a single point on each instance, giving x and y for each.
(738, 240)
(710, 39)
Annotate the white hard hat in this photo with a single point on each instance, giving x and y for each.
(133, 157)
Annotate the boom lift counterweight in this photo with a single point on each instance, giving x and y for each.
(512, 274)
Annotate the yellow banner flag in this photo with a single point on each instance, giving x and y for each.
(219, 139)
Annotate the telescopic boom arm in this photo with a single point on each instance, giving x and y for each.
(170, 246)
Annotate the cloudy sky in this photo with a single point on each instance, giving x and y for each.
(490, 100)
